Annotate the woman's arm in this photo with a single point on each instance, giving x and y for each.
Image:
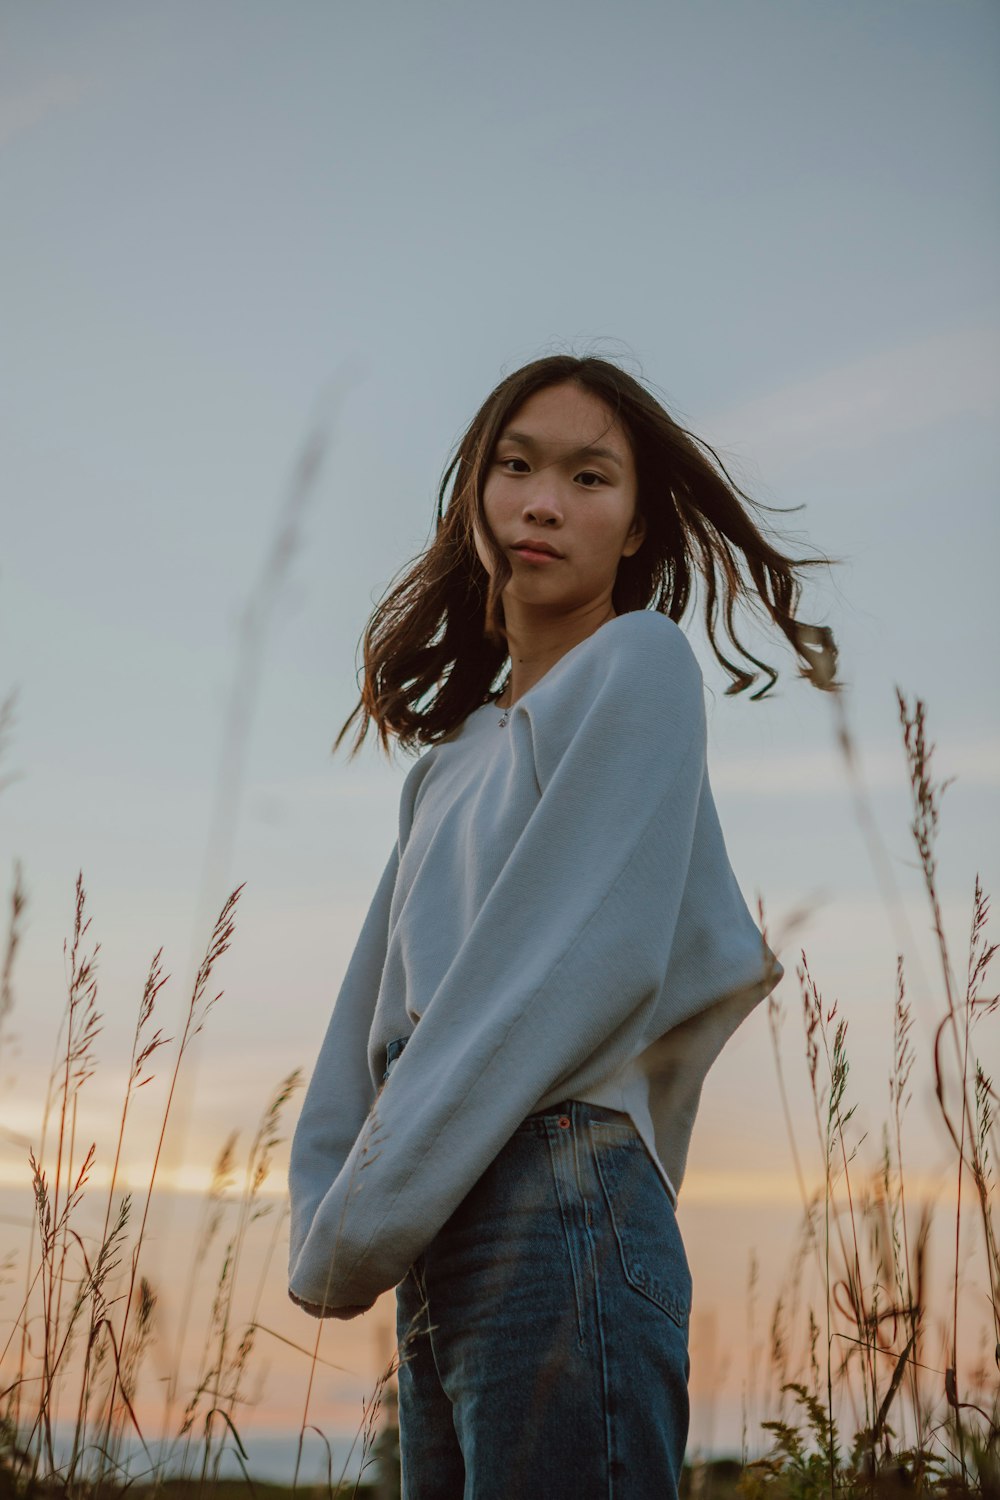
(567, 955)
(340, 1093)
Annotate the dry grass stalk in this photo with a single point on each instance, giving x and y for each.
(18, 904)
(215, 1204)
(197, 1012)
(119, 1352)
(884, 1342)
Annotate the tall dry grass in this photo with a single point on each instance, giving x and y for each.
(866, 1348)
(89, 1295)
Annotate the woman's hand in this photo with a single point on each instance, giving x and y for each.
(317, 1310)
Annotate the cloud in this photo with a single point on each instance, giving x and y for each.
(905, 389)
(46, 97)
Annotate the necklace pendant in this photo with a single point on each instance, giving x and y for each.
(506, 716)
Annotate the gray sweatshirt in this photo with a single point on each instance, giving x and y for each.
(558, 919)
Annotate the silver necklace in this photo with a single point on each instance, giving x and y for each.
(506, 713)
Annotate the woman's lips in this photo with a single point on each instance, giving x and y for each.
(530, 555)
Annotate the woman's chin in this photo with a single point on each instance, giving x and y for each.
(527, 593)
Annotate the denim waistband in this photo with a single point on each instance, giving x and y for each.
(571, 1110)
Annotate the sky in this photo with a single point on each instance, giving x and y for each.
(237, 234)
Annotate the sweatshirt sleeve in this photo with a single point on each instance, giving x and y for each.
(567, 954)
(340, 1092)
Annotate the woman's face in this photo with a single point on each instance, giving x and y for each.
(541, 488)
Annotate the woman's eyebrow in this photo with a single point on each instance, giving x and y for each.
(527, 441)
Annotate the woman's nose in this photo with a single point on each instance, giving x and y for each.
(543, 510)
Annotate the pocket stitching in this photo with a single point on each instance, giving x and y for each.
(676, 1305)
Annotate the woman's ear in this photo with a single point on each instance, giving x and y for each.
(636, 534)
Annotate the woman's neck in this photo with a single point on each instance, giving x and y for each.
(534, 651)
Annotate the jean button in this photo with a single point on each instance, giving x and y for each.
(564, 1122)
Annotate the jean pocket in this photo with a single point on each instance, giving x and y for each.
(642, 1215)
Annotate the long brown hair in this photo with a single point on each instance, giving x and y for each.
(435, 644)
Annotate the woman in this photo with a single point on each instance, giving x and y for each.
(557, 951)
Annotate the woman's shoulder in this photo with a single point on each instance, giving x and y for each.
(642, 648)
(646, 631)
(634, 685)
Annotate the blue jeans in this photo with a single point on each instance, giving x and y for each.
(548, 1324)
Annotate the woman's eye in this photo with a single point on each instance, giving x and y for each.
(584, 474)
